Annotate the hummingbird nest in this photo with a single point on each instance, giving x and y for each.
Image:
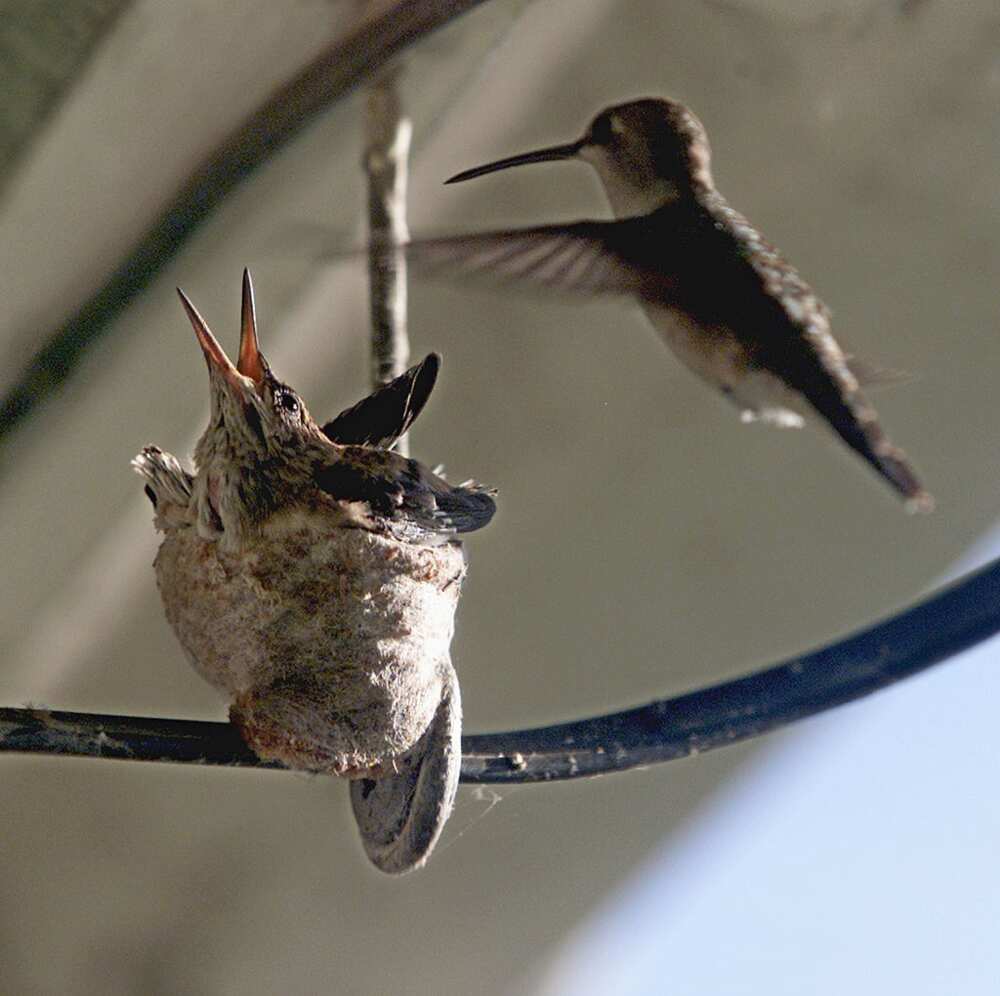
(312, 575)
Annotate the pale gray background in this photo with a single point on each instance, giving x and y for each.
(646, 542)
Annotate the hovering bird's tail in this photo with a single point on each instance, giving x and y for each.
(856, 422)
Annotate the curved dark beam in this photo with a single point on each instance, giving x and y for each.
(351, 60)
(937, 629)
(41, 56)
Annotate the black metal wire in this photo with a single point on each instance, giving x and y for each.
(955, 618)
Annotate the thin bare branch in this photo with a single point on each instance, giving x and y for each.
(387, 147)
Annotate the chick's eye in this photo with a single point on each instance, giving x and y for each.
(287, 402)
(600, 130)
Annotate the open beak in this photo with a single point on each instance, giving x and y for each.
(551, 154)
(218, 362)
(250, 363)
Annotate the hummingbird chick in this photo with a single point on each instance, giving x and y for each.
(721, 297)
(312, 575)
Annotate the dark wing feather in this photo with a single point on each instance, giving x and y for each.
(387, 413)
(408, 498)
(591, 257)
(787, 330)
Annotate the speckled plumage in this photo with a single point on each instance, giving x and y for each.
(315, 582)
(727, 303)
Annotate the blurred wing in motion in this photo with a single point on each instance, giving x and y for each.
(588, 257)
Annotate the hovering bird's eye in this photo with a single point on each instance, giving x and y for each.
(287, 402)
(601, 130)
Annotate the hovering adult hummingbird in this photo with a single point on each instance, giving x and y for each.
(312, 574)
(723, 299)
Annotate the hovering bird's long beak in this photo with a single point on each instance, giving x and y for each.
(215, 355)
(551, 154)
(250, 363)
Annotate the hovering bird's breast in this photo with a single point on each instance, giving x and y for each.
(718, 356)
(711, 351)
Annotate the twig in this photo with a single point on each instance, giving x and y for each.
(349, 61)
(934, 631)
(387, 147)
